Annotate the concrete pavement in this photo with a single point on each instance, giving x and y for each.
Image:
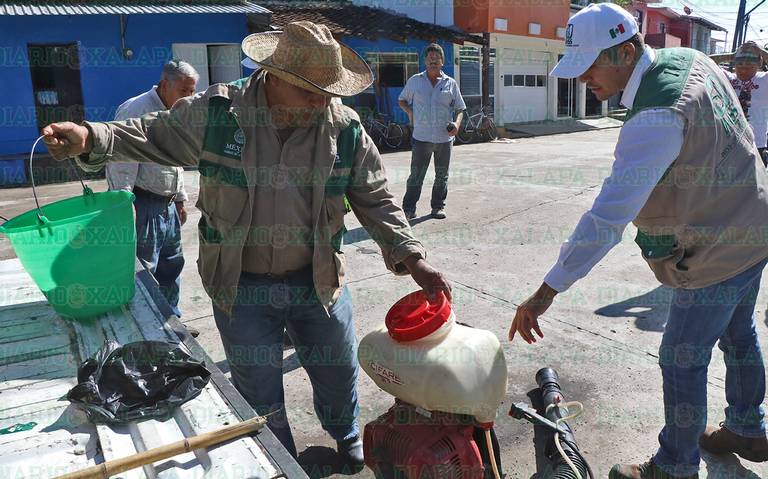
(510, 206)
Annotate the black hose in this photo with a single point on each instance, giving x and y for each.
(551, 394)
(563, 471)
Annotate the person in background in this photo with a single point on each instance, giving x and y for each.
(431, 99)
(751, 85)
(159, 189)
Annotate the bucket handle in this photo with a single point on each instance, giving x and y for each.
(40, 216)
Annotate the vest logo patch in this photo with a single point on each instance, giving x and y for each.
(235, 148)
(240, 137)
(724, 108)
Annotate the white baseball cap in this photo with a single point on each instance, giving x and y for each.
(592, 30)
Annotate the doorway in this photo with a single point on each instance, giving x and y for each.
(566, 97)
(215, 63)
(56, 86)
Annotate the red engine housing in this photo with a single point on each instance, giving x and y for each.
(402, 443)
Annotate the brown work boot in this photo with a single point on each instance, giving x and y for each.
(719, 440)
(649, 470)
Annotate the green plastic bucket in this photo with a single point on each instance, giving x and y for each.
(80, 252)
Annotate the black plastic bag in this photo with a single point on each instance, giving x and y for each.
(141, 380)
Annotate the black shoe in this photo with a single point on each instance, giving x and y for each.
(409, 215)
(649, 470)
(438, 213)
(722, 441)
(351, 450)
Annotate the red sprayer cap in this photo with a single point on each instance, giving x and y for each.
(413, 317)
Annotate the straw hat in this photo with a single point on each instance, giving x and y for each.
(305, 54)
(748, 52)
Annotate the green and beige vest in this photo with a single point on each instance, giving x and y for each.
(707, 218)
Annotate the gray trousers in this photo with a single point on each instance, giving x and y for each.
(421, 152)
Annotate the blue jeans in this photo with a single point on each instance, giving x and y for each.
(421, 153)
(325, 346)
(698, 318)
(158, 244)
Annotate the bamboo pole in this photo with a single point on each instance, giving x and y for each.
(201, 441)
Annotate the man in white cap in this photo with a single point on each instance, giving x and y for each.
(281, 164)
(688, 175)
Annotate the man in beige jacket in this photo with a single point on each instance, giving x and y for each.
(280, 165)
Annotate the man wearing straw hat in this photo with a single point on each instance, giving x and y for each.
(280, 164)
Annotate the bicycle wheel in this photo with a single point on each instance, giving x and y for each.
(464, 135)
(489, 131)
(367, 126)
(374, 132)
(394, 136)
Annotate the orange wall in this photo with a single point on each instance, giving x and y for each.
(471, 15)
(479, 15)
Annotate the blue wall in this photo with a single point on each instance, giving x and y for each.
(362, 47)
(107, 78)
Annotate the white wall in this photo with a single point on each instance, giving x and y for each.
(522, 49)
(421, 10)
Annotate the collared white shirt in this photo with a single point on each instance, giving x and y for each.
(433, 106)
(648, 145)
(158, 179)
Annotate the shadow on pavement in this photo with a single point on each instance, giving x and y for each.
(726, 466)
(649, 309)
(359, 234)
(321, 461)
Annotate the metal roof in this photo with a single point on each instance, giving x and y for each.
(39, 361)
(346, 19)
(676, 13)
(126, 7)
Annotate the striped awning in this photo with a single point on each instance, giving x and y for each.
(127, 7)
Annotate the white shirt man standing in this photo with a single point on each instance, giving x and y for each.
(159, 189)
(431, 98)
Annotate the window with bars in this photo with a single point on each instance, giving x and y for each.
(393, 69)
(525, 80)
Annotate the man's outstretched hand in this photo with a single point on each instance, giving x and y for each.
(527, 316)
(65, 140)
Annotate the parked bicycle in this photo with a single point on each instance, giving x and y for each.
(384, 132)
(477, 127)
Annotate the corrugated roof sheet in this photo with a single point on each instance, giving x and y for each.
(39, 359)
(675, 12)
(346, 19)
(113, 7)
